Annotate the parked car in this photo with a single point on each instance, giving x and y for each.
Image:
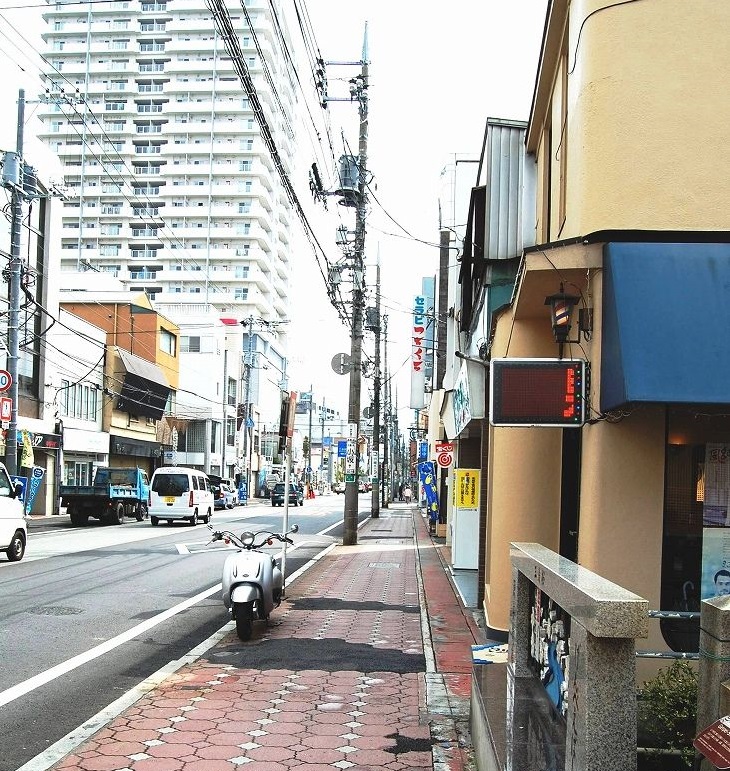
(230, 495)
(177, 492)
(339, 487)
(224, 497)
(296, 495)
(219, 496)
(13, 531)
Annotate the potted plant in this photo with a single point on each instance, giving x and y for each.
(667, 714)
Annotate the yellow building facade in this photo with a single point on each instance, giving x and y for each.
(627, 131)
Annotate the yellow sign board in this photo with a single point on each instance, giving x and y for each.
(466, 488)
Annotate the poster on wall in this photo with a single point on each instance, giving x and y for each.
(466, 489)
(715, 562)
(715, 481)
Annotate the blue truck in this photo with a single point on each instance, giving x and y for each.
(116, 493)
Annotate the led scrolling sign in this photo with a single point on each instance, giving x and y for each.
(538, 392)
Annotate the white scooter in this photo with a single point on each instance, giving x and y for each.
(253, 582)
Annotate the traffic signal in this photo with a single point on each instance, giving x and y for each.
(286, 418)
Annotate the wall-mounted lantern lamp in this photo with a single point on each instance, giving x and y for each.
(561, 316)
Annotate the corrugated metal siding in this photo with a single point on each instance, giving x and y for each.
(510, 183)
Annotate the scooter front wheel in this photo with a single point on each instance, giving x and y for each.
(243, 615)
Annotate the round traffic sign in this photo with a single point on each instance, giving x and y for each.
(6, 380)
(342, 363)
(444, 459)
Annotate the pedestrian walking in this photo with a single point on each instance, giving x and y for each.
(407, 494)
(400, 491)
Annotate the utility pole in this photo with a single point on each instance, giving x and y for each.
(321, 446)
(386, 484)
(375, 510)
(309, 446)
(248, 368)
(349, 537)
(11, 444)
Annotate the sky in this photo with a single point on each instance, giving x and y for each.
(436, 73)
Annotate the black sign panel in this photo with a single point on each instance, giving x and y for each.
(538, 392)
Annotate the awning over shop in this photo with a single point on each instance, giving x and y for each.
(666, 316)
(145, 389)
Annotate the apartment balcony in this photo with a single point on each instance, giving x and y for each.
(228, 274)
(230, 86)
(281, 267)
(181, 46)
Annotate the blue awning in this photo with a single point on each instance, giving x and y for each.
(666, 324)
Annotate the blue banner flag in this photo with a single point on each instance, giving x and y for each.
(427, 475)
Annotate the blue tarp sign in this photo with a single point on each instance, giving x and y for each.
(427, 475)
(35, 482)
(23, 482)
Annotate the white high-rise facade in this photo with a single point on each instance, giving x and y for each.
(173, 189)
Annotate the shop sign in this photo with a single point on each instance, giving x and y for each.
(713, 743)
(466, 489)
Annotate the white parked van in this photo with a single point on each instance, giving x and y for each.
(13, 531)
(177, 492)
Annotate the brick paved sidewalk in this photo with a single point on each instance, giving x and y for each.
(349, 674)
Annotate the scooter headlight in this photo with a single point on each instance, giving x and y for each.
(247, 538)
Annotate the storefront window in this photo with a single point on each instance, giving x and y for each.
(79, 472)
(696, 517)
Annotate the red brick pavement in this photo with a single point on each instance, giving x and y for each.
(210, 716)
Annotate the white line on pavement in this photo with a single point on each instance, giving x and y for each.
(84, 658)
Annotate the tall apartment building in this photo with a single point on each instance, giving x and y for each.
(173, 189)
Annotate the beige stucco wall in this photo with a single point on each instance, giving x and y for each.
(622, 500)
(646, 130)
(523, 486)
(622, 463)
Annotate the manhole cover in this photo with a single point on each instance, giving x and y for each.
(55, 610)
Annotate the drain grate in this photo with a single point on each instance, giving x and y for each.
(384, 565)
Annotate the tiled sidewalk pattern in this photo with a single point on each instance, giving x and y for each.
(355, 698)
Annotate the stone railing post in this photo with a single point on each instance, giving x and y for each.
(714, 660)
(604, 621)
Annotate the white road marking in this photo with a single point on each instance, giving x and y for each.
(21, 689)
(73, 739)
(42, 678)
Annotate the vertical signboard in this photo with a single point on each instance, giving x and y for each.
(418, 354)
(351, 457)
(465, 519)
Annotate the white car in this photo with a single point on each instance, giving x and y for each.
(177, 492)
(13, 530)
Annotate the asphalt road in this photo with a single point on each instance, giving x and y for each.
(91, 612)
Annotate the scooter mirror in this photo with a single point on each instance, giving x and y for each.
(294, 529)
